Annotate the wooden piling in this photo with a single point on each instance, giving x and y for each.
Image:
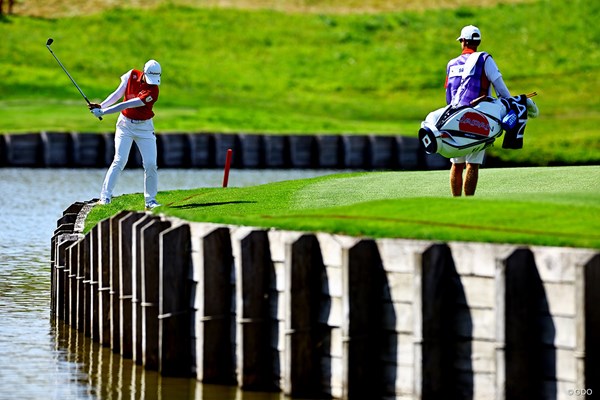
(251, 148)
(150, 236)
(85, 312)
(73, 260)
(304, 269)
(440, 311)
(125, 282)
(64, 241)
(319, 315)
(94, 318)
(524, 301)
(253, 273)
(138, 251)
(104, 284)
(214, 312)
(174, 351)
(591, 351)
(80, 313)
(115, 280)
(362, 280)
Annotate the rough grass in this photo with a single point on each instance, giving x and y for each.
(543, 206)
(276, 71)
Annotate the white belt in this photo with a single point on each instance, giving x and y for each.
(135, 121)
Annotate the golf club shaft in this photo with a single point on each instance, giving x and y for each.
(69, 75)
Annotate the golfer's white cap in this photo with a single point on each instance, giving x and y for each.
(470, 32)
(152, 72)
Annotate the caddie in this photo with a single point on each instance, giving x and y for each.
(469, 76)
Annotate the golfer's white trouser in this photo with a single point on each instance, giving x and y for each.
(128, 131)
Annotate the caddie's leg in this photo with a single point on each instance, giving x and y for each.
(123, 142)
(456, 178)
(147, 145)
(471, 178)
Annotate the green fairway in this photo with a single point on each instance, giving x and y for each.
(305, 67)
(546, 206)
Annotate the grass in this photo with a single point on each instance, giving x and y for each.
(299, 66)
(542, 206)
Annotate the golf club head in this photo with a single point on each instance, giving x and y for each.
(49, 41)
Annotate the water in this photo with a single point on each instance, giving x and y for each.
(40, 359)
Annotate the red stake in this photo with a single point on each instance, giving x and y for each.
(227, 166)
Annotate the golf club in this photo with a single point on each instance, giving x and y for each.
(48, 43)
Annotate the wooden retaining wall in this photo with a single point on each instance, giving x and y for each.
(318, 315)
(207, 150)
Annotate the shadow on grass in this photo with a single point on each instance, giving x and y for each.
(220, 203)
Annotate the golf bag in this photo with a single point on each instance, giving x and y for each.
(459, 131)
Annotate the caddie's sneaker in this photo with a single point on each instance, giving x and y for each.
(104, 200)
(151, 205)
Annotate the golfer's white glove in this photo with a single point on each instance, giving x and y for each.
(532, 109)
(97, 112)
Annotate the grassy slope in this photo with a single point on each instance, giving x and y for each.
(545, 206)
(270, 71)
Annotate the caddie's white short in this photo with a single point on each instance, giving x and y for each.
(473, 158)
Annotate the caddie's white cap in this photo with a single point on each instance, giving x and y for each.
(470, 32)
(152, 72)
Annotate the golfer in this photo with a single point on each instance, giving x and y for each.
(469, 76)
(139, 90)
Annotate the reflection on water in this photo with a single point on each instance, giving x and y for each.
(109, 376)
(43, 360)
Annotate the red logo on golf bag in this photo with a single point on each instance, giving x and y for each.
(474, 123)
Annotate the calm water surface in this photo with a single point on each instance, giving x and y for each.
(40, 359)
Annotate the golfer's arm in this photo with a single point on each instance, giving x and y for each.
(118, 93)
(135, 102)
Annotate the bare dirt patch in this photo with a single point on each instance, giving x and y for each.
(64, 8)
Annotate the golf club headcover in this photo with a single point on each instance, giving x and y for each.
(513, 138)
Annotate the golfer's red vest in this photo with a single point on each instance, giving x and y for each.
(147, 93)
